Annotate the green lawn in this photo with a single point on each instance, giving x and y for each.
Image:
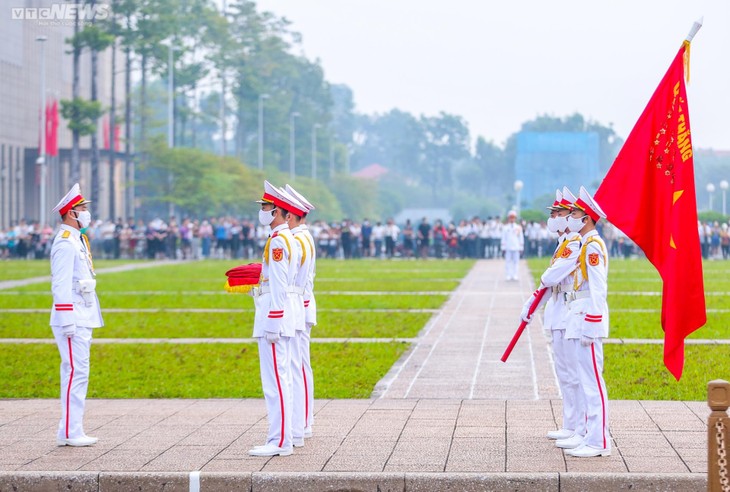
(222, 370)
(18, 269)
(637, 372)
(220, 300)
(341, 370)
(221, 325)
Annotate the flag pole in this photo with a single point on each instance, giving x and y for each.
(695, 27)
(538, 297)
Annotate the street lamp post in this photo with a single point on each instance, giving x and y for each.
(261, 129)
(710, 190)
(170, 116)
(724, 186)
(332, 159)
(314, 149)
(170, 96)
(518, 189)
(42, 146)
(292, 146)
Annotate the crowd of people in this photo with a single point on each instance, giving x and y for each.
(230, 238)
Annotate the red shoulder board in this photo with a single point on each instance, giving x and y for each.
(566, 253)
(593, 259)
(275, 234)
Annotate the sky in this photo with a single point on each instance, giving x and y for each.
(500, 63)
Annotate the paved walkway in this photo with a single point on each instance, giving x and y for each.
(459, 353)
(448, 413)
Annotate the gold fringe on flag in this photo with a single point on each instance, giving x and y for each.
(686, 60)
(239, 289)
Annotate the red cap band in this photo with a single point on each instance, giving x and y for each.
(584, 207)
(75, 201)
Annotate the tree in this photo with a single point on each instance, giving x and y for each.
(95, 39)
(201, 184)
(81, 115)
(395, 140)
(447, 143)
(494, 174)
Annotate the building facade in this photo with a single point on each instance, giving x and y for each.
(547, 161)
(21, 63)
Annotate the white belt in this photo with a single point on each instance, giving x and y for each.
(571, 296)
(293, 289)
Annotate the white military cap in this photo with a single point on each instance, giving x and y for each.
(568, 198)
(300, 197)
(556, 203)
(586, 203)
(292, 204)
(281, 199)
(72, 199)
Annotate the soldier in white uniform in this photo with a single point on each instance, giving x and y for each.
(275, 321)
(304, 253)
(75, 314)
(588, 324)
(310, 311)
(559, 279)
(513, 242)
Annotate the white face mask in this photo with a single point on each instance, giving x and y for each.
(557, 225)
(84, 218)
(266, 217)
(575, 225)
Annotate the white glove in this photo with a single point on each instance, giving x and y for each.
(272, 337)
(585, 341)
(69, 330)
(525, 310)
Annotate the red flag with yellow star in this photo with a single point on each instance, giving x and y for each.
(649, 193)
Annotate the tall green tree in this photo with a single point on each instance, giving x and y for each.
(95, 39)
(447, 145)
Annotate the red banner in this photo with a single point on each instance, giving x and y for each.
(649, 193)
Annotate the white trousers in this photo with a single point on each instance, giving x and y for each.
(512, 259)
(305, 337)
(74, 353)
(299, 399)
(590, 372)
(275, 369)
(566, 369)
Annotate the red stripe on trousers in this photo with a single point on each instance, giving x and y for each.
(306, 398)
(70, 380)
(600, 391)
(281, 397)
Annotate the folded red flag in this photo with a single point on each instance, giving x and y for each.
(243, 278)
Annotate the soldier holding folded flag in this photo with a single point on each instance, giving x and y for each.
(275, 321)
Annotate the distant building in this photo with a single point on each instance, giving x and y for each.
(20, 100)
(547, 161)
(373, 171)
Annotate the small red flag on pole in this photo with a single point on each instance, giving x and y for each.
(649, 193)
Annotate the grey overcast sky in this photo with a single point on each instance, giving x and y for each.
(500, 63)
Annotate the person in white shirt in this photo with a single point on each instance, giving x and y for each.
(392, 232)
(495, 236)
(512, 245)
(378, 236)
